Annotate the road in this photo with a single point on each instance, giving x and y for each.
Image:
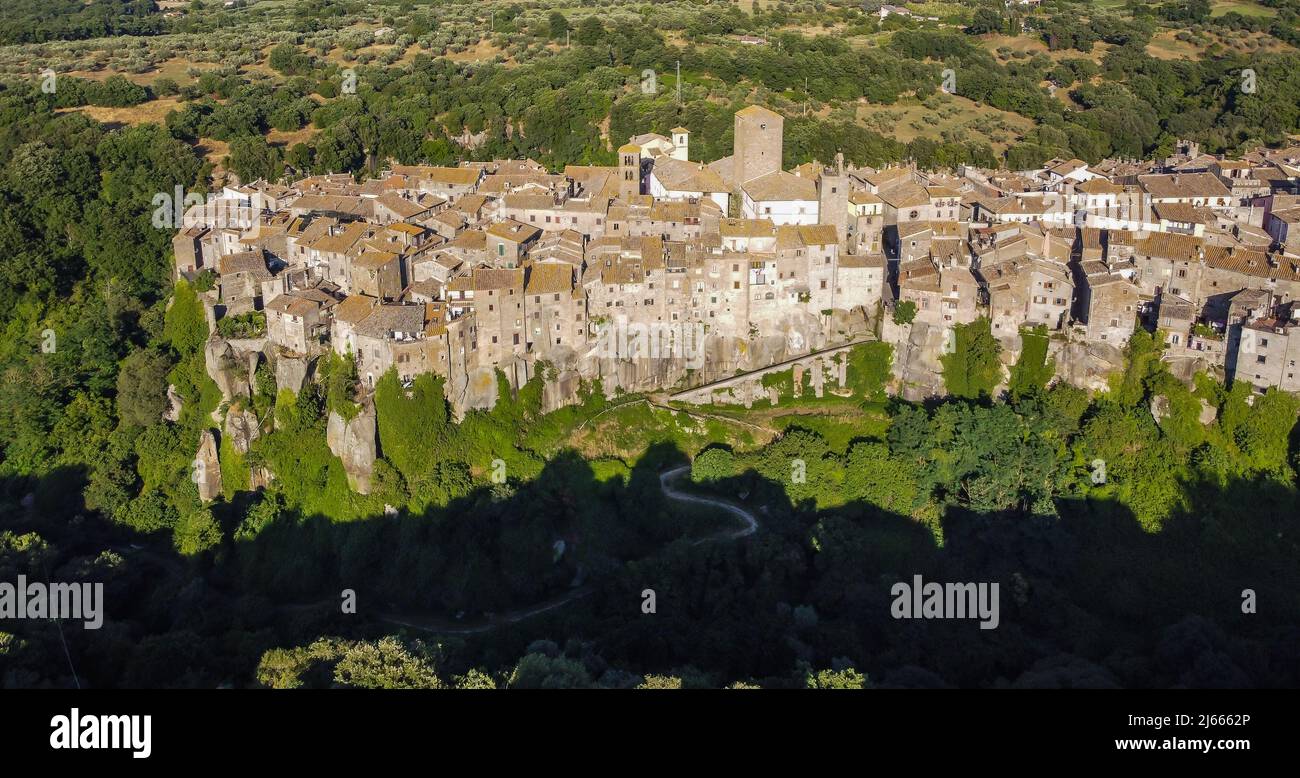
(487, 624)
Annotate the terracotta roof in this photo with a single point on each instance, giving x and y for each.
(514, 231)
(1098, 186)
(343, 240)
(746, 228)
(678, 175)
(498, 278)
(293, 305)
(904, 193)
(818, 234)
(386, 319)
(244, 262)
(374, 259)
(920, 274)
(354, 308)
(780, 185)
(1171, 246)
(549, 278)
(404, 208)
(1184, 185)
(451, 176)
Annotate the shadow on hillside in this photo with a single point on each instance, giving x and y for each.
(1086, 599)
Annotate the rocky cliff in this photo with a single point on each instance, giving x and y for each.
(354, 441)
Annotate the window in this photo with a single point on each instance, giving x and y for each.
(1261, 360)
(501, 249)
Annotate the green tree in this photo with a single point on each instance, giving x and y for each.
(386, 664)
(539, 671)
(904, 312)
(712, 465)
(558, 25)
(985, 20)
(142, 387)
(873, 474)
(252, 158)
(590, 31)
(972, 369)
(1033, 369)
(847, 678)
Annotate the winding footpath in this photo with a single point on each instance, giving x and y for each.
(492, 621)
(750, 520)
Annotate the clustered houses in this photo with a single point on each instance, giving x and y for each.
(497, 265)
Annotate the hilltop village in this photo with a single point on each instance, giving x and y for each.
(668, 273)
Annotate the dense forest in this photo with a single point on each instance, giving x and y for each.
(1135, 579)
(35, 21)
(566, 85)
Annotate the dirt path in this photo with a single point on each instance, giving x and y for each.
(448, 627)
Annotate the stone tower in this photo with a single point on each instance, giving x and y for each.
(757, 147)
(833, 198)
(681, 138)
(629, 172)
